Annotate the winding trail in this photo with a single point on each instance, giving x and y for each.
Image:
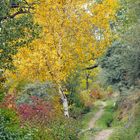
(95, 118)
(92, 122)
(102, 135)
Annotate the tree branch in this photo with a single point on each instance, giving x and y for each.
(14, 15)
(21, 10)
(92, 67)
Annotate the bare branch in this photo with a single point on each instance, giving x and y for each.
(92, 67)
(14, 15)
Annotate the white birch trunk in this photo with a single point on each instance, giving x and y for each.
(65, 102)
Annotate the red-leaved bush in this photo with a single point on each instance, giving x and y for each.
(37, 112)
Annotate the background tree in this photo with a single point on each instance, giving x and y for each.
(121, 63)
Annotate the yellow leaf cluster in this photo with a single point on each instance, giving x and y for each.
(73, 33)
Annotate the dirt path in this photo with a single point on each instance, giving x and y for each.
(95, 118)
(104, 135)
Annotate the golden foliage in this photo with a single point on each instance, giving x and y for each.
(73, 33)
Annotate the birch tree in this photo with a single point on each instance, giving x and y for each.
(74, 32)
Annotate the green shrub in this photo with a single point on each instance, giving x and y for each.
(64, 129)
(58, 129)
(123, 133)
(86, 110)
(75, 112)
(1, 95)
(129, 131)
(43, 90)
(77, 107)
(10, 127)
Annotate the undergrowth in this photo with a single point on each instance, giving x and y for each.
(129, 130)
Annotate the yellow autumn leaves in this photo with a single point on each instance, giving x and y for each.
(71, 36)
